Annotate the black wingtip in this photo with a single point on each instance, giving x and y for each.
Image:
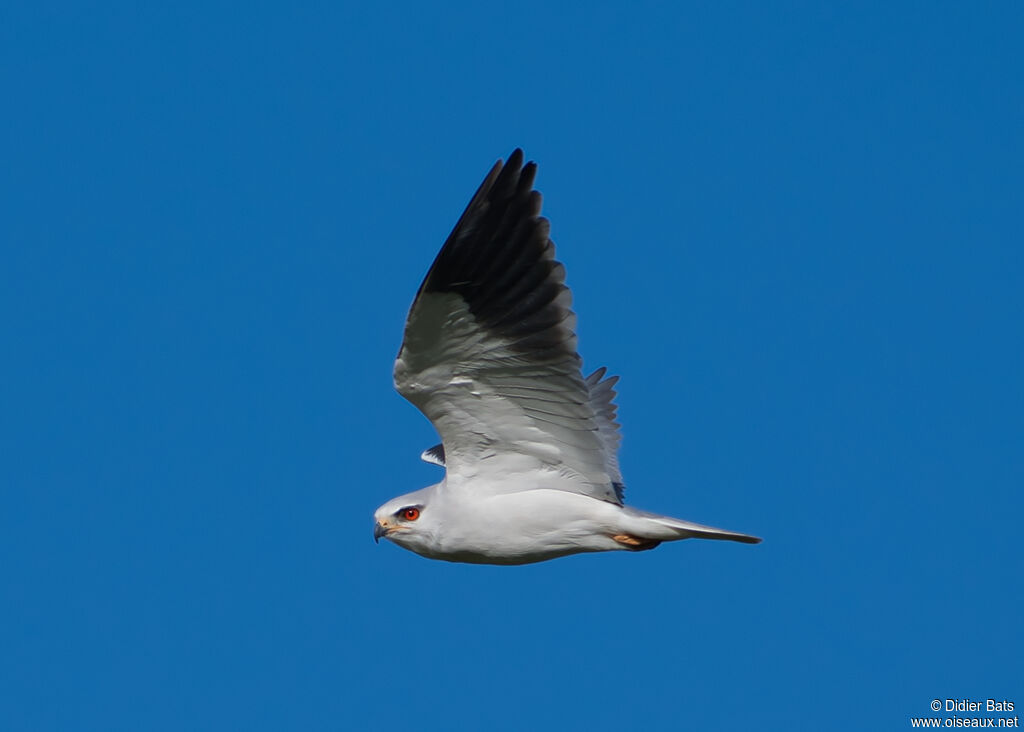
(500, 260)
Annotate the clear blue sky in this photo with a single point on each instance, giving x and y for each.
(793, 229)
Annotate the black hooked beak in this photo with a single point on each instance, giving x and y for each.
(379, 531)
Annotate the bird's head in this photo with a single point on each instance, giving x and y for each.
(406, 520)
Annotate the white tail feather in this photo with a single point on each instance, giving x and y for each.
(666, 528)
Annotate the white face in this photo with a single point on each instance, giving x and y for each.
(404, 520)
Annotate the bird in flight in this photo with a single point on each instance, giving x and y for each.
(529, 445)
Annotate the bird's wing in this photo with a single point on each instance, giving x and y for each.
(489, 354)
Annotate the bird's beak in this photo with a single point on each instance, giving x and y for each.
(379, 530)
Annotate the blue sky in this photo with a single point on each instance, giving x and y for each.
(793, 229)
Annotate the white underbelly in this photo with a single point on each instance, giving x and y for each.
(524, 527)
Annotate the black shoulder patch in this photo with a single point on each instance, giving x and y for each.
(434, 455)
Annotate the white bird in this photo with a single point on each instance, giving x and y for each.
(529, 445)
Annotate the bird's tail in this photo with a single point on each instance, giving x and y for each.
(665, 528)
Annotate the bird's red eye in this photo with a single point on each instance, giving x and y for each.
(411, 514)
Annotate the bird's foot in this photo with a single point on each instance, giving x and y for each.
(635, 543)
